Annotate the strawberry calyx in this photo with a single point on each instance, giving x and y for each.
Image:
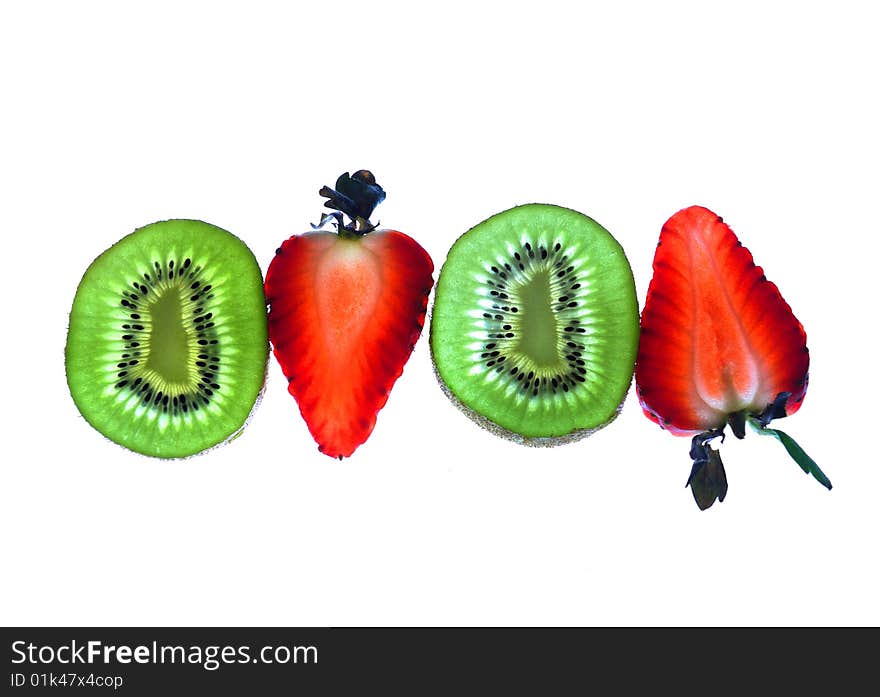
(804, 461)
(355, 197)
(708, 480)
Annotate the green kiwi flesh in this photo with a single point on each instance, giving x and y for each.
(167, 345)
(535, 325)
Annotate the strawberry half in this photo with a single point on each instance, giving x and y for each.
(345, 311)
(719, 346)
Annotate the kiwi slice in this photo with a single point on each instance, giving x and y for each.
(535, 325)
(167, 346)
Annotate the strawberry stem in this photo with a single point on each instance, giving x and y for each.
(737, 423)
(355, 196)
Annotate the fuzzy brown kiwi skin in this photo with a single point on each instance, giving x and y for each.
(492, 427)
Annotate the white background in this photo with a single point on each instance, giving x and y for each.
(113, 117)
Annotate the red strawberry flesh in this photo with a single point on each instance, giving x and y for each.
(717, 336)
(345, 313)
